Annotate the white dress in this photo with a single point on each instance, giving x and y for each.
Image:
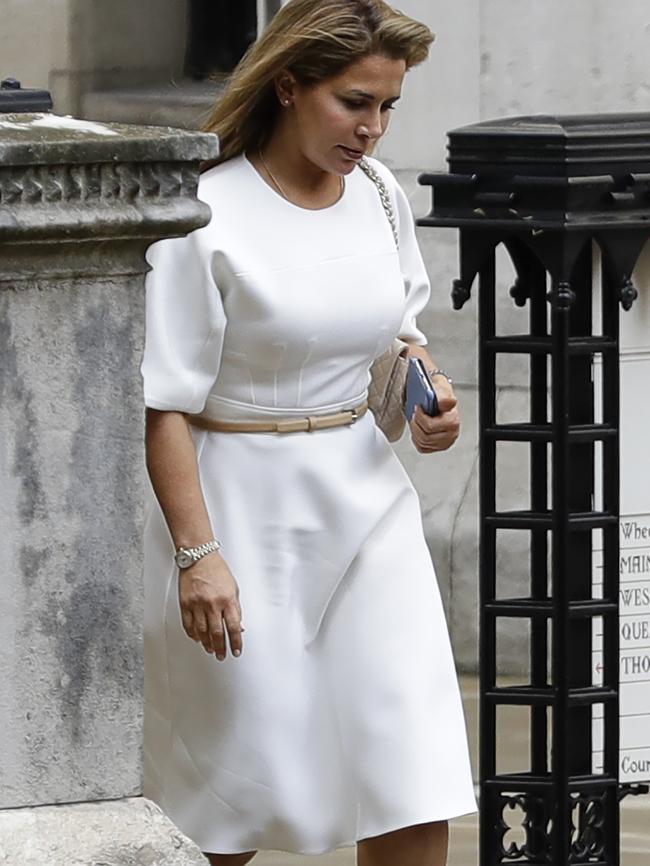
(342, 718)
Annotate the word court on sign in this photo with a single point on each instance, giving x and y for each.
(634, 624)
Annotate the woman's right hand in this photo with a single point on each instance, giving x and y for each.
(209, 596)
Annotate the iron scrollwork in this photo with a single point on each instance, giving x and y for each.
(588, 827)
(534, 824)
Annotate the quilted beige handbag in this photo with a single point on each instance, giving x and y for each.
(387, 389)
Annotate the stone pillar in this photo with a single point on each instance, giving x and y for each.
(79, 204)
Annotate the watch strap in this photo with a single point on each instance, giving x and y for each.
(195, 553)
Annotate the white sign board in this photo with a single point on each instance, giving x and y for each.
(634, 764)
(634, 599)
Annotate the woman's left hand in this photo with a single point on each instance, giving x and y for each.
(437, 432)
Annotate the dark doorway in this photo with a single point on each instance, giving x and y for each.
(220, 32)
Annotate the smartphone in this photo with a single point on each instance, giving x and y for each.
(419, 390)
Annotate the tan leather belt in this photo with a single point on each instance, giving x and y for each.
(290, 425)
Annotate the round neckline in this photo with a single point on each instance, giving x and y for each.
(291, 204)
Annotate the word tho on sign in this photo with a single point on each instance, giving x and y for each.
(635, 651)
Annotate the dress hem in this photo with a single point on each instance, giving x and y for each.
(457, 812)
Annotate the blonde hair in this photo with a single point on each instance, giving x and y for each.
(314, 40)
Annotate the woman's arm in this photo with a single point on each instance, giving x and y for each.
(173, 469)
(208, 591)
(436, 433)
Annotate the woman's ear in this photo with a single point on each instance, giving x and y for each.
(285, 86)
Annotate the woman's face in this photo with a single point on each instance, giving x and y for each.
(334, 123)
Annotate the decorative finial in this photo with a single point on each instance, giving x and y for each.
(520, 293)
(460, 294)
(627, 293)
(561, 295)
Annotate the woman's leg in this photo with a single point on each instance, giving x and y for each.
(231, 859)
(419, 845)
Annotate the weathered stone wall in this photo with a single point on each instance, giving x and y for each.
(81, 202)
(71, 415)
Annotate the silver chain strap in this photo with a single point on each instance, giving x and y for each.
(383, 194)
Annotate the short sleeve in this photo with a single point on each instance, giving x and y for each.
(185, 325)
(417, 286)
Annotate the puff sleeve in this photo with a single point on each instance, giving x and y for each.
(185, 324)
(417, 286)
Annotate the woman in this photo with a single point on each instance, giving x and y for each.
(338, 719)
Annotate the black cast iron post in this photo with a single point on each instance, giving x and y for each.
(550, 189)
(15, 99)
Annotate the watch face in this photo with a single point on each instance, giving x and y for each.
(184, 559)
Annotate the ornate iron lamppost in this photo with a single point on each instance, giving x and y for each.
(549, 189)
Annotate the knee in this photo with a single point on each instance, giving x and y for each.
(420, 835)
(230, 859)
(436, 831)
(428, 828)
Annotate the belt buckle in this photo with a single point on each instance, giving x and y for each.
(354, 416)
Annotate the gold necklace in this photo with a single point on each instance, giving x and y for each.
(282, 192)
